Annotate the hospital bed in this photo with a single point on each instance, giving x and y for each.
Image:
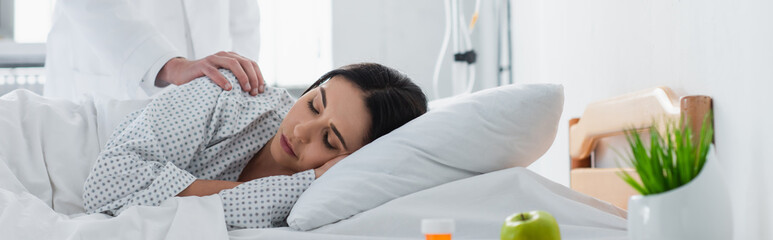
(48, 147)
(596, 142)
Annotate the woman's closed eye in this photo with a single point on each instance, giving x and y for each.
(327, 143)
(325, 136)
(311, 107)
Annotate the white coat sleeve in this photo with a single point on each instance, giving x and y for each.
(132, 45)
(245, 28)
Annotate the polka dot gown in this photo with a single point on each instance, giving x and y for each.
(197, 131)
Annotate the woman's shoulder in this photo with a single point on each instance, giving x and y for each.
(205, 86)
(203, 93)
(271, 98)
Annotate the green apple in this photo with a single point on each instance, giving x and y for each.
(534, 225)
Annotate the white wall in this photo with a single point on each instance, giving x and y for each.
(406, 35)
(721, 48)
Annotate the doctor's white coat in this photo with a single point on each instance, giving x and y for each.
(115, 48)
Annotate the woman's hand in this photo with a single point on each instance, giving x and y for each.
(321, 170)
(179, 71)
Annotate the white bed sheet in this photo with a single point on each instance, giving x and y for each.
(47, 148)
(479, 206)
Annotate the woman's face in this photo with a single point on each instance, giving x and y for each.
(327, 122)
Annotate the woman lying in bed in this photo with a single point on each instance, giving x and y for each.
(258, 152)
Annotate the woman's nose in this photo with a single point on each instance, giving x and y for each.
(301, 132)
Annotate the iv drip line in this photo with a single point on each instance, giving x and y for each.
(456, 26)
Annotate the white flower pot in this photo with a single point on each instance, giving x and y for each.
(699, 209)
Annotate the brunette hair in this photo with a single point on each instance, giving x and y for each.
(390, 96)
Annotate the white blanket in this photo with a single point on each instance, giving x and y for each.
(24, 216)
(478, 204)
(47, 148)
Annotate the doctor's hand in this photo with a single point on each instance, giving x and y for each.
(179, 71)
(321, 170)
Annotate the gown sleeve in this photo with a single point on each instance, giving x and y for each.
(144, 161)
(264, 202)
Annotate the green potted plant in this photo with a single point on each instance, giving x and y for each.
(672, 160)
(683, 195)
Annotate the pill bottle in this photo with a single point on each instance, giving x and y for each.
(437, 229)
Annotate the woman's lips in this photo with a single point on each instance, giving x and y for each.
(286, 146)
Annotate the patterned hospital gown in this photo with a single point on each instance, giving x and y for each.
(197, 131)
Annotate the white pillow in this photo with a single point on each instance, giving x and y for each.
(493, 129)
